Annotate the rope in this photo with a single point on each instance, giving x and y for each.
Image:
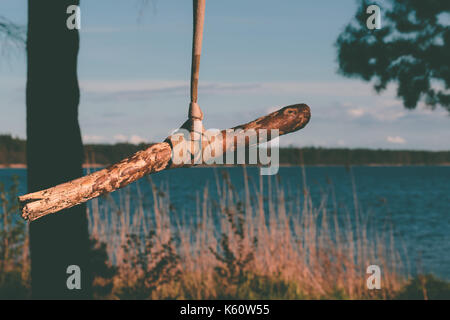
(195, 113)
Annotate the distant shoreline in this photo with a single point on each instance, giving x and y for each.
(13, 155)
(97, 166)
(24, 166)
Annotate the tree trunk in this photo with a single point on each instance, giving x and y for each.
(54, 148)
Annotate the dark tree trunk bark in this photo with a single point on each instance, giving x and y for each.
(54, 148)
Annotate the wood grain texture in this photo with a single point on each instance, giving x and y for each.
(155, 158)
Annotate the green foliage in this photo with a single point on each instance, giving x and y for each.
(260, 287)
(11, 34)
(425, 287)
(411, 49)
(13, 286)
(110, 153)
(12, 232)
(103, 272)
(13, 275)
(12, 150)
(152, 264)
(151, 267)
(234, 262)
(325, 156)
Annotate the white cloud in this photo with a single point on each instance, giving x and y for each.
(135, 139)
(335, 89)
(357, 112)
(389, 115)
(396, 140)
(120, 138)
(130, 88)
(380, 108)
(119, 86)
(93, 138)
(109, 29)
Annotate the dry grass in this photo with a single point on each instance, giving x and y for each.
(243, 245)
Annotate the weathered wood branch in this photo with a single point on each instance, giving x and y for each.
(155, 158)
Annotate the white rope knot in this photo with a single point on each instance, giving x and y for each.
(195, 112)
(195, 127)
(195, 124)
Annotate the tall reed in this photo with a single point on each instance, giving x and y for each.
(250, 244)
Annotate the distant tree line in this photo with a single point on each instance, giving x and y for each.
(13, 151)
(344, 156)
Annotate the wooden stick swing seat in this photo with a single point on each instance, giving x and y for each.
(159, 156)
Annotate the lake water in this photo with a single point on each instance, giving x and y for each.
(415, 199)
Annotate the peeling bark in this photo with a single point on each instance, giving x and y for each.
(155, 158)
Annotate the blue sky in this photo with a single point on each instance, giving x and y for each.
(134, 67)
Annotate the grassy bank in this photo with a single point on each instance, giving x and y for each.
(250, 245)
